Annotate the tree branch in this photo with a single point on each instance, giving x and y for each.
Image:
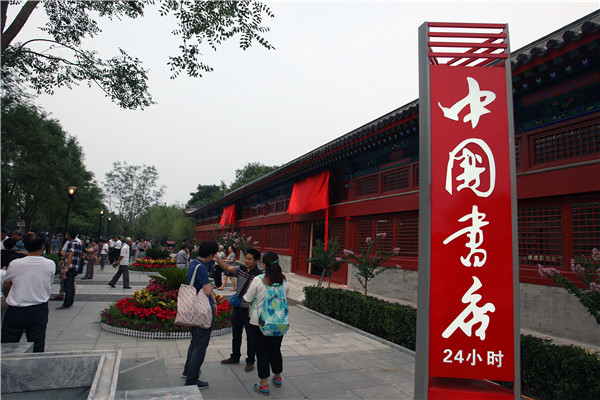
(17, 24)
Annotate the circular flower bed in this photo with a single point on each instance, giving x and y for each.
(153, 310)
(148, 264)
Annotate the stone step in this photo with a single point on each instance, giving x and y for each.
(171, 393)
(142, 373)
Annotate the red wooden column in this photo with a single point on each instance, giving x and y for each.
(468, 323)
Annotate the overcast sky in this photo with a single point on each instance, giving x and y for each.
(336, 67)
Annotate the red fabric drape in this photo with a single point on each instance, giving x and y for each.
(228, 216)
(311, 194)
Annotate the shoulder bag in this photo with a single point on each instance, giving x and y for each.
(193, 307)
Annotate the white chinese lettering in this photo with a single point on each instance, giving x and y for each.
(471, 175)
(475, 236)
(493, 358)
(473, 100)
(478, 314)
(474, 357)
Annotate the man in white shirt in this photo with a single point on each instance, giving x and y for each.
(111, 252)
(117, 249)
(103, 253)
(30, 280)
(123, 263)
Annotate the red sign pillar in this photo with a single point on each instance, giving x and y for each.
(468, 326)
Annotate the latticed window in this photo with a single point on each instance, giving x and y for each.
(280, 206)
(271, 208)
(586, 227)
(303, 234)
(407, 235)
(364, 229)
(337, 229)
(396, 180)
(277, 236)
(571, 143)
(540, 236)
(254, 211)
(385, 225)
(368, 185)
(417, 176)
(261, 209)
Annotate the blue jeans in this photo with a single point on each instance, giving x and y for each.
(240, 321)
(196, 354)
(102, 260)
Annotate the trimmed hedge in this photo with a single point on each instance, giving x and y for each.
(399, 321)
(548, 371)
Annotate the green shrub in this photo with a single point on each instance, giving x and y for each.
(171, 277)
(548, 371)
(391, 321)
(555, 372)
(158, 253)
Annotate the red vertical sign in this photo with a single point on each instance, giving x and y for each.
(471, 276)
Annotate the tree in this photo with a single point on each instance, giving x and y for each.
(162, 222)
(206, 194)
(368, 263)
(250, 172)
(131, 191)
(61, 60)
(326, 258)
(587, 270)
(39, 161)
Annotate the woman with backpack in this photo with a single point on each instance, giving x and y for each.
(268, 292)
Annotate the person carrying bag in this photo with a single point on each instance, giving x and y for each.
(195, 308)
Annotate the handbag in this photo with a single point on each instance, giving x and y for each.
(193, 307)
(236, 300)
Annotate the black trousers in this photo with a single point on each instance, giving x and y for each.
(32, 320)
(268, 353)
(240, 321)
(217, 274)
(69, 284)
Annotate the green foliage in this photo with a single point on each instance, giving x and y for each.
(369, 263)
(161, 223)
(58, 58)
(555, 372)
(171, 277)
(250, 172)
(548, 371)
(132, 190)
(158, 253)
(587, 270)
(206, 194)
(39, 162)
(326, 259)
(391, 321)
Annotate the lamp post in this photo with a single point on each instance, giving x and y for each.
(108, 228)
(100, 223)
(71, 193)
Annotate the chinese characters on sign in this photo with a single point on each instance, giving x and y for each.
(471, 307)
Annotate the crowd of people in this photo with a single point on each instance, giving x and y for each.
(29, 276)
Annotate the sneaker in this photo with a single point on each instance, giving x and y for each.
(126, 287)
(200, 384)
(264, 390)
(249, 367)
(230, 361)
(277, 381)
(111, 285)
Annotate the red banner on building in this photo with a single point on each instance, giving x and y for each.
(228, 216)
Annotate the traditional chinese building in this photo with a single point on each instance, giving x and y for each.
(367, 182)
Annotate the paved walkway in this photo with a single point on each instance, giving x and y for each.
(322, 359)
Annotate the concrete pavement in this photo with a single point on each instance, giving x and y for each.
(322, 359)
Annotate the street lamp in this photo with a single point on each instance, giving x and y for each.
(108, 228)
(71, 193)
(100, 223)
